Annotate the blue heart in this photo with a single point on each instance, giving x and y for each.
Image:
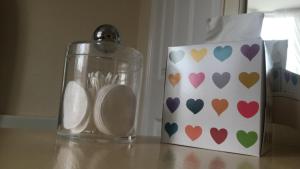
(223, 53)
(194, 105)
(171, 128)
(294, 79)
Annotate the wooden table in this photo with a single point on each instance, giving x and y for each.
(28, 149)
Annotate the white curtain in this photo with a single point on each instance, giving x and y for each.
(285, 25)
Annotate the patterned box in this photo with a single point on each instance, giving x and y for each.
(215, 97)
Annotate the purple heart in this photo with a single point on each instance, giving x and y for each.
(173, 104)
(287, 76)
(250, 51)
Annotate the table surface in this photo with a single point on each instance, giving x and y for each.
(28, 149)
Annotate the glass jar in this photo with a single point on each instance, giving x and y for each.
(101, 88)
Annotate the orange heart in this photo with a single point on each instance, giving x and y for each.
(174, 79)
(198, 54)
(249, 79)
(220, 105)
(193, 132)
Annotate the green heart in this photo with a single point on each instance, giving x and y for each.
(246, 139)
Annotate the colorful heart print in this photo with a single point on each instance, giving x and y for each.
(294, 79)
(250, 51)
(196, 79)
(248, 79)
(287, 76)
(193, 132)
(171, 128)
(174, 79)
(247, 110)
(173, 104)
(221, 80)
(222, 53)
(219, 105)
(199, 54)
(176, 56)
(195, 106)
(219, 136)
(246, 139)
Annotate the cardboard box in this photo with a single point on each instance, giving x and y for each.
(215, 97)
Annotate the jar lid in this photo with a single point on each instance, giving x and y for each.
(106, 46)
(107, 33)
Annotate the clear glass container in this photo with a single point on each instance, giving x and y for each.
(101, 89)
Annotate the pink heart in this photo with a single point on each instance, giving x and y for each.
(196, 78)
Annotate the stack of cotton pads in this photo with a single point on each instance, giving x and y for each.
(113, 106)
(114, 110)
(75, 107)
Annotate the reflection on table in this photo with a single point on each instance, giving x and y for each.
(30, 149)
(148, 153)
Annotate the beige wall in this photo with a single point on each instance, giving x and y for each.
(34, 36)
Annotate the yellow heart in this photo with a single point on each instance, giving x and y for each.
(174, 79)
(198, 54)
(249, 79)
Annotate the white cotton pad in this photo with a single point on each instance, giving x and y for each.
(114, 110)
(82, 126)
(75, 105)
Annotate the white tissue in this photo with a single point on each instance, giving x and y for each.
(234, 28)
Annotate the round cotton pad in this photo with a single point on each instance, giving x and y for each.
(114, 110)
(82, 126)
(74, 105)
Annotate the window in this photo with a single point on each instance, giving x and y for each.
(285, 26)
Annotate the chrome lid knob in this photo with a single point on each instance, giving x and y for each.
(106, 32)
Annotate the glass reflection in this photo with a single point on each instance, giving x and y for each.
(166, 158)
(179, 157)
(75, 154)
(217, 163)
(191, 161)
(245, 165)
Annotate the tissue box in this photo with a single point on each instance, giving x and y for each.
(215, 97)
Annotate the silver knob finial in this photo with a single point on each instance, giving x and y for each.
(106, 32)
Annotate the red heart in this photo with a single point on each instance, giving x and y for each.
(248, 110)
(218, 135)
(193, 132)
